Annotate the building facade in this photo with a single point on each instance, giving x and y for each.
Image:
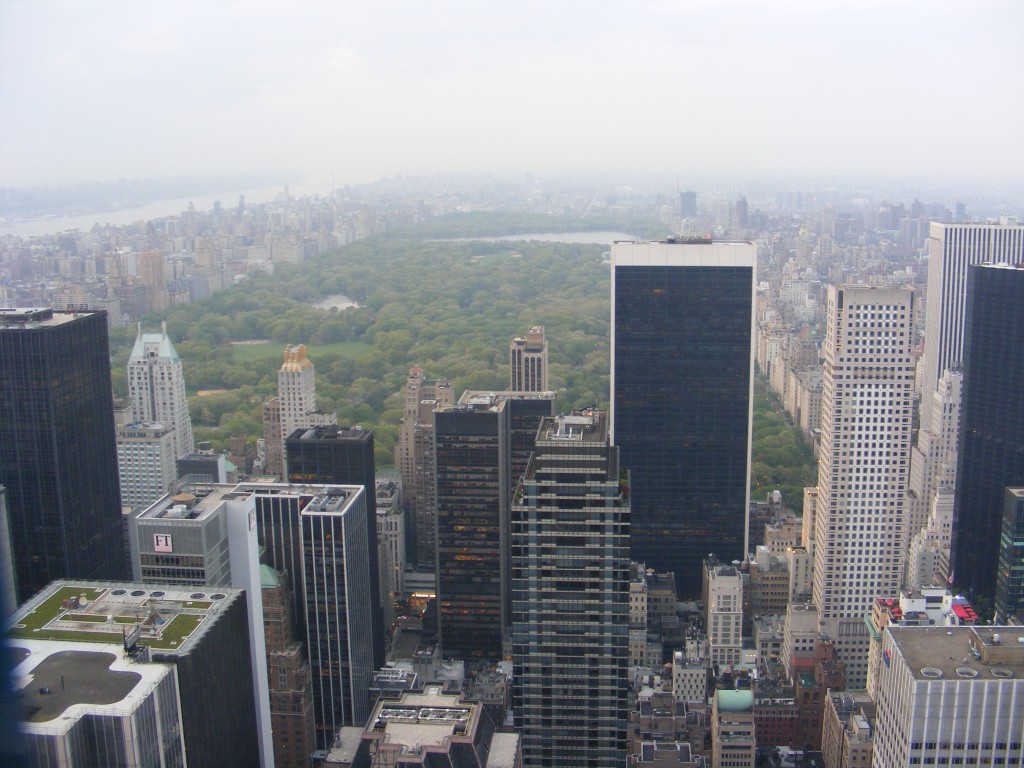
(863, 467)
(343, 455)
(472, 460)
(528, 361)
(414, 459)
(58, 452)
(990, 456)
(1010, 578)
(145, 462)
(950, 697)
(156, 387)
(570, 596)
(952, 250)
(316, 537)
(682, 364)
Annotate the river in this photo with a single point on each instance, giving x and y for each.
(155, 210)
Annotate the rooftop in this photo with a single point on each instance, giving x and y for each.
(168, 618)
(961, 653)
(67, 680)
(12, 318)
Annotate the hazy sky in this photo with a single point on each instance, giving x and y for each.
(357, 90)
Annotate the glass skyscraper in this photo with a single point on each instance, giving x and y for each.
(682, 398)
(990, 456)
(58, 456)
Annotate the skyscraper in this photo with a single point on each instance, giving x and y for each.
(528, 361)
(860, 534)
(952, 248)
(570, 596)
(145, 460)
(1010, 577)
(414, 458)
(295, 407)
(471, 445)
(58, 457)
(682, 397)
(156, 387)
(316, 536)
(344, 456)
(990, 456)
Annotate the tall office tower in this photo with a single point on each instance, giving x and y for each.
(296, 395)
(58, 455)
(950, 696)
(273, 445)
(291, 692)
(390, 546)
(207, 538)
(682, 398)
(860, 533)
(933, 459)
(952, 248)
(990, 456)
(528, 361)
(145, 461)
(156, 387)
(525, 412)
(345, 456)
(414, 458)
(570, 596)
(1010, 577)
(723, 611)
(8, 585)
(471, 444)
(316, 537)
(91, 651)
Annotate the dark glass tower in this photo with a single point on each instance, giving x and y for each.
(472, 452)
(345, 455)
(990, 454)
(1010, 578)
(682, 397)
(58, 455)
(570, 597)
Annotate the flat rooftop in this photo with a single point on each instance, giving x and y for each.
(962, 653)
(429, 718)
(168, 618)
(12, 318)
(63, 681)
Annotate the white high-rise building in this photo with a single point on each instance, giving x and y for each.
(950, 696)
(952, 248)
(145, 462)
(724, 608)
(296, 396)
(860, 534)
(156, 387)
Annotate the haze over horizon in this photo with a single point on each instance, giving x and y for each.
(353, 92)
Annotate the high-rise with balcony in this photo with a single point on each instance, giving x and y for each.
(156, 387)
(58, 455)
(570, 596)
(867, 398)
(682, 382)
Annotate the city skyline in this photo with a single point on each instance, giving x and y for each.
(439, 88)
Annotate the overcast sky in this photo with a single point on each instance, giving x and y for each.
(358, 90)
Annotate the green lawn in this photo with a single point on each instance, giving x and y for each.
(345, 349)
